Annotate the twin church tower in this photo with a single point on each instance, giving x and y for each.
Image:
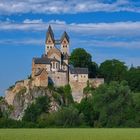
(51, 42)
(53, 66)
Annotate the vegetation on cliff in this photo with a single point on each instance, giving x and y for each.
(110, 105)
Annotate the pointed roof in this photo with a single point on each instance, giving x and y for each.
(50, 32)
(65, 35)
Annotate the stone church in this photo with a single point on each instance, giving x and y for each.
(53, 66)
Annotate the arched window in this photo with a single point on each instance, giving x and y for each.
(56, 65)
(53, 65)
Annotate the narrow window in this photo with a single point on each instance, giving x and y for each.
(56, 65)
(53, 65)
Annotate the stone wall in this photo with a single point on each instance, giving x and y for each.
(35, 67)
(77, 90)
(41, 80)
(96, 82)
(78, 78)
(58, 78)
(77, 87)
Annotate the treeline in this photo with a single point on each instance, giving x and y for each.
(110, 105)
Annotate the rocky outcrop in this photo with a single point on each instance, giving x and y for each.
(19, 97)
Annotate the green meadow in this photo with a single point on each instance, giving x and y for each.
(70, 134)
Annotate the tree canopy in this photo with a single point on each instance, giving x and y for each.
(113, 70)
(133, 78)
(81, 58)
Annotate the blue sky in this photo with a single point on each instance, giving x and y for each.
(106, 28)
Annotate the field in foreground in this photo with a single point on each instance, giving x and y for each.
(69, 134)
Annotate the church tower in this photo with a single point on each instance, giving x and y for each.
(50, 41)
(65, 44)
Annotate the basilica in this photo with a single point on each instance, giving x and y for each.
(53, 67)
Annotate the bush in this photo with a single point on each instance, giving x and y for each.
(9, 123)
(35, 109)
(65, 117)
(113, 105)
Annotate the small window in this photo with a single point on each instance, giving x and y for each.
(48, 47)
(56, 65)
(58, 77)
(53, 65)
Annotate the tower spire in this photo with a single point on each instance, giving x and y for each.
(50, 40)
(50, 33)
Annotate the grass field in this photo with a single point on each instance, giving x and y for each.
(69, 134)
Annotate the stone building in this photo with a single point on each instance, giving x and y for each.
(53, 66)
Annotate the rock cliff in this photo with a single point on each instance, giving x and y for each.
(19, 97)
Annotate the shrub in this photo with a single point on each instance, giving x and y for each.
(35, 109)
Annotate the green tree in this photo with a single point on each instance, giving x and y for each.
(1, 115)
(136, 102)
(35, 109)
(113, 70)
(133, 78)
(66, 94)
(65, 117)
(81, 58)
(86, 107)
(113, 105)
(1, 98)
(93, 70)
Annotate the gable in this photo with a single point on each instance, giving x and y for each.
(49, 40)
(54, 52)
(64, 42)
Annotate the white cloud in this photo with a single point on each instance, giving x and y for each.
(35, 21)
(119, 34)
(108, 43)
(66, 6)
(121, 29)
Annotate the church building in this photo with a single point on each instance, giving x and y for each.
(53, 66)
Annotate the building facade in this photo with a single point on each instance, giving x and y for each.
(53, 67)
